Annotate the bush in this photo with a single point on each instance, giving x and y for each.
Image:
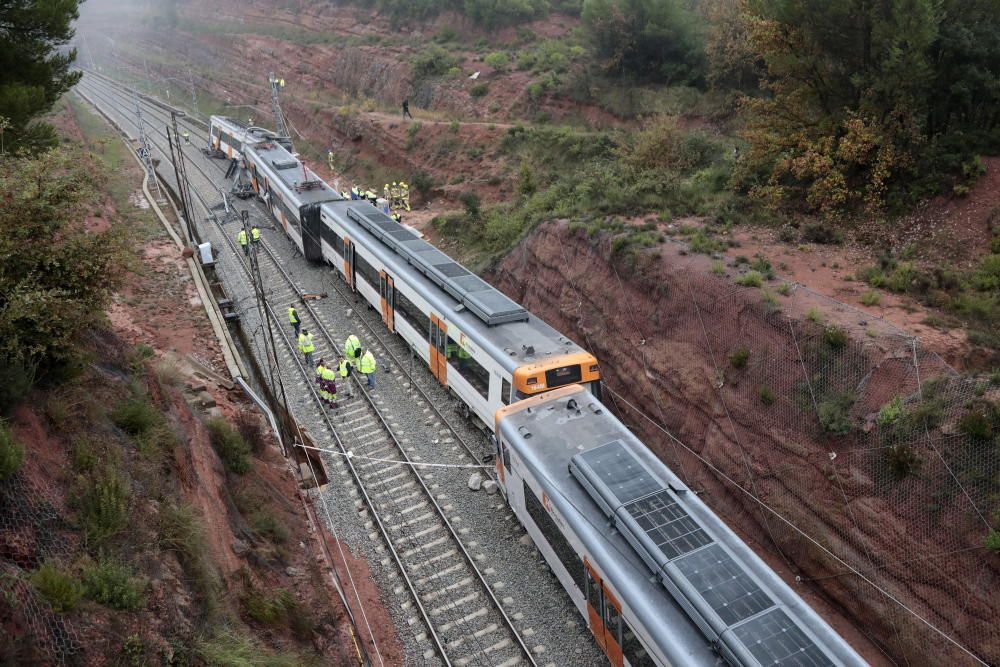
(498, 60)
(230, 446)
(61, 589)
(135, 415)
(269, 610)
(739, 358)
(835, 337)
(433, 61)
(761, 265)
(16, 380)
(818, 232)
(422, 182)
(976, 425)
(992, 541)
(890, 413)
(103, 506)
(871, 298)
(751, 279)
(114, 585)
(767, 396)
(11, 453)
(814, 315)
(480, 89)
(784, 289)
(902, 460)
(834, 414)
(470, 200)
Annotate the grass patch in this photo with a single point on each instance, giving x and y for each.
(103, 505)
(11, 452)
(135, 415)
(719, 268)
(834, 413)
(60, 588)
(890, 413)
(767, 396)
(784, 289)
(230, 446)
(814, 315)
(180, 531)
(750, 279)
(835, 337)
(902, 460)
(114, 585)
(871, 298)
(229, 648)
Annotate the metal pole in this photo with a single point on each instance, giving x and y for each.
(182, 180)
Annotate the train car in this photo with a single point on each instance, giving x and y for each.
(659, 577)
(230, 136)
(485, 348)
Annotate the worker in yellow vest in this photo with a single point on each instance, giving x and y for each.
(352, 349)
(306, 347)
(344, 370)
(367, 367)
(255, 235)
(241, 236)
(293, 319)
(330, 384)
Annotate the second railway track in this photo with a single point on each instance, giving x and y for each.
(466, 624)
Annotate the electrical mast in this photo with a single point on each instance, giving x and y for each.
(145, 153)
(279, 117)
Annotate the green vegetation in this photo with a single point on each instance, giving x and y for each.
(433, 61)
(35, 74)
(103, 505)
(902, 460)
(992, 541)
(180, 531)
(46, 306)
(835, 337)
(114, 585)
(739, 358)
(767, 396)
(834, 413)
(845, 128)
(229, 648)
(871, 298)
(487, 13)
(890, 413)
(59, 587)
(480, 89)
(11, 452)
(750, 279)
(135, 415)
(230, 446)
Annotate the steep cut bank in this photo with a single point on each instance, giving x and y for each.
(791, 409)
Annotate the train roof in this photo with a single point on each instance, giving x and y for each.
(301, 184)
(665, 552)
(516, 337)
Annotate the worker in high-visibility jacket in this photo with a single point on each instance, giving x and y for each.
(244, 241)
(367, 366)
(352, 349)
(293, 319)
(355, 193)
(306, 347)
(463, 358)
(344, 370)
(321, 381)
(330, 384)
(255, 235)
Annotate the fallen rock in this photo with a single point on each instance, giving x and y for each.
(240, 547)
(490, 487)
(206, 399)
(293, 571)
(475, 481)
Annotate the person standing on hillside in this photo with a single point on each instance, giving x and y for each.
(406, 109)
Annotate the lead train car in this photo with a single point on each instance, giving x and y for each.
(487, 349)
(659, 577)
(231, 136)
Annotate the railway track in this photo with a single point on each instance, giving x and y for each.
(465, 623)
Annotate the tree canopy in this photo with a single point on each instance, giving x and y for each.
(870, 103)
(34, 67)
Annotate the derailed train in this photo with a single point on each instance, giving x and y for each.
(660, 579)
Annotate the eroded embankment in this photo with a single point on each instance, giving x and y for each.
(784, 407)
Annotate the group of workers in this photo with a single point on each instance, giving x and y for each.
(395, 196)
(356, 358)
(245, 240)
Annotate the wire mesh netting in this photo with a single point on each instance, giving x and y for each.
(862, 459)
(31, 532)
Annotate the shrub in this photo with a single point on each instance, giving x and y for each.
(976, 425)
(470, 200)
(433, 61)
(61, 589)
(739, 358)
(902, 460)
(16, 380)
(718, 268)
(751, 279)
(103, 505)
(834, 414)
(761, 265)
(230, 446)
(267, 525)
(422, 182)
(890, 413)
(784, 289)
(871, 298)
(180, 531)
(135, 415)
(11, 452)
(114, 585)
(821, 233)
(269, 610)
(992, 541)
(498, 60)
(480, 89)
(767, 396)
(835, 337)
(705, 244)
(814, 315)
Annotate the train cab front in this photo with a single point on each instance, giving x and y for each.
(558, 371)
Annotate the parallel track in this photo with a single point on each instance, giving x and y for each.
(466, 624)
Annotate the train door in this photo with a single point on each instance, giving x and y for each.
(349, 262)
(253, 178)
(604, 612)
(439, 350)
(387, 292)
(312, 232)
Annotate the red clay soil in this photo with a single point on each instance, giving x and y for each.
(643, 325)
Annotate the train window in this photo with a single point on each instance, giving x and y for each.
(412, 314)
(593, 592)
(365, 270)
(612, 620)
(468, 367)
(330, 236)
(632, 648)
(505, 392)
(557, 377)
(564, 551)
